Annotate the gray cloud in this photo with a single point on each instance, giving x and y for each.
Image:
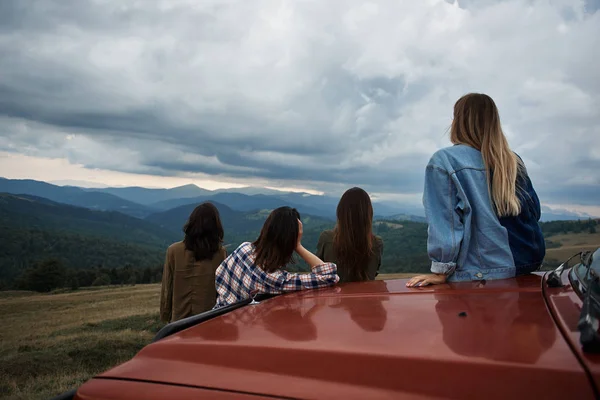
(322, 94)
(587, 194)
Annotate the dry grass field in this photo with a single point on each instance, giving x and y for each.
(382, 277)
(572, 243)
(50, 343)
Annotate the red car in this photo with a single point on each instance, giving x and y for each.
(532, 337)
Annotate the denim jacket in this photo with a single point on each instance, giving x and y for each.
(466, 239)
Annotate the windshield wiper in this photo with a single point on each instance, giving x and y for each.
(554, 278)
(588, 321)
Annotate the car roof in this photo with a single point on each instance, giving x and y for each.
(373, 340)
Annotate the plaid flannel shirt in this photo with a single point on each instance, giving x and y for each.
(237, 277)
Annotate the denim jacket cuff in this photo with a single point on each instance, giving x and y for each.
(443, 268)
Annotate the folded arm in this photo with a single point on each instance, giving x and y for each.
(321, 275)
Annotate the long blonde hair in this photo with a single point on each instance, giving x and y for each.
(477, 124)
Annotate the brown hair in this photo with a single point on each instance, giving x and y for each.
(476, 123)
(203, 232)
(277, 241)
(353, 233)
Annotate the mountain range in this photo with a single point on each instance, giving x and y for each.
(141, 202)
(550, 214)
(74, 196)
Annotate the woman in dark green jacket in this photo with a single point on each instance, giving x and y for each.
(351, 244)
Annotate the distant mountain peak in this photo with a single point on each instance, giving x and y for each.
(189, 186)
(77, 183)
(252, 190)
(555, 214)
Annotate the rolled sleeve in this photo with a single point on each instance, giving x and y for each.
(443, 268)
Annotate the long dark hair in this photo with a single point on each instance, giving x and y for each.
(353, 233)
(203, 232)
(277, 241)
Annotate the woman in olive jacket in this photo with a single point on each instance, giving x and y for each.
(188, 282)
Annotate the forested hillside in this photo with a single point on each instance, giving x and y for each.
(107, 247)
(37, 232)
(239, 226)
(33, 230)
(35, 213)
(404, 246)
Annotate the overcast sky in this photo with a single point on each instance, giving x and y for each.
(318, 95)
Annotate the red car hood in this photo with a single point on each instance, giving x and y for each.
(377, 340)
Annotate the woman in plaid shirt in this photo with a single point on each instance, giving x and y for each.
(257, 267)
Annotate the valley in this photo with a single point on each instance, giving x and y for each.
(88, 242)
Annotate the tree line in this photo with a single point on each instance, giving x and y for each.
(24, 249)
(52, 274)
(564, 227)
(43, 261)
